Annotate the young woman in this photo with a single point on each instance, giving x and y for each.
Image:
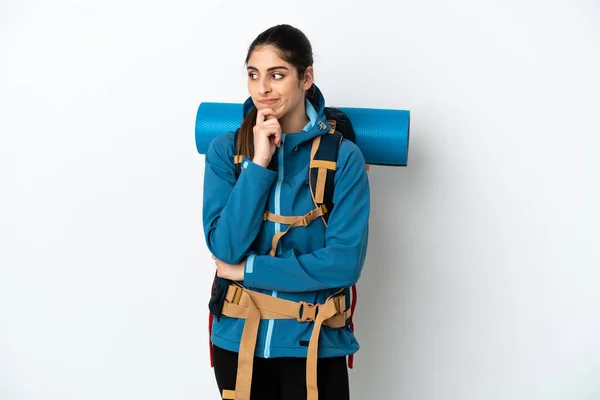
(283, 332)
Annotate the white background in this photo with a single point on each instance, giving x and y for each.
(483, 275)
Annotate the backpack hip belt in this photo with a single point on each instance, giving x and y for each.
(254, 306)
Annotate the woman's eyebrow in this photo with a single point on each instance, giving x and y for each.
(268, 69)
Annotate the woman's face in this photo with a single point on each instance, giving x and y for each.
(273, 83)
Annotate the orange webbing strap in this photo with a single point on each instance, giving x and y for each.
(323, 166)
(293, 222)
(243, 303)
(246, 354)
(238, 301)
(237, 159)
(328, 311)
(320, 189)
(269, 216)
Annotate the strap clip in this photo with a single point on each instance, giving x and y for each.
(307, 312)
(340, 304)
(234, 294)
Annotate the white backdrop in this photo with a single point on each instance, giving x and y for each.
(482, 280)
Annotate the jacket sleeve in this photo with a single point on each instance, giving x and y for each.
(232, 210)
(340, 262)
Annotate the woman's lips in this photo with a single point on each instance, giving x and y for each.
(267, 101)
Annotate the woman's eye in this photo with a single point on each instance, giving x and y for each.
(277, 76)
(252, 75)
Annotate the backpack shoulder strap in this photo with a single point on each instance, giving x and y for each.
(323, 165)
(321, 173)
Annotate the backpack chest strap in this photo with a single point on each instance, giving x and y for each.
(292, 221)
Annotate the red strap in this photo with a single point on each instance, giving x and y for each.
(352, 307)
(210, 322)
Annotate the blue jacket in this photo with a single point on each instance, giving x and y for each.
(311, 262)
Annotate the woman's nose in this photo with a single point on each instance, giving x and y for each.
(264, 88)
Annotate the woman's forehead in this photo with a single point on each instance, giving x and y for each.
(266, 57)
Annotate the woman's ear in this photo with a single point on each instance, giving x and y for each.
(309, 78)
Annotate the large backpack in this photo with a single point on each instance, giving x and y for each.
(327, 148)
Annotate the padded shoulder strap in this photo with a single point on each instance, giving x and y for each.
(323, 165)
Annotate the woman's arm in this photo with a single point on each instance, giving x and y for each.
(232, 210)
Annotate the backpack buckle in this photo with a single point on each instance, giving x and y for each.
(340, 304)
(307, 312)
(234, 294)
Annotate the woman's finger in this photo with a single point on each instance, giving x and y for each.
(262, 114)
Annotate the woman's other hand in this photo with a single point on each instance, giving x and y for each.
(267, 136)
(229, 271)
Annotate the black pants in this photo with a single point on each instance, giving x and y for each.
(284, 378)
